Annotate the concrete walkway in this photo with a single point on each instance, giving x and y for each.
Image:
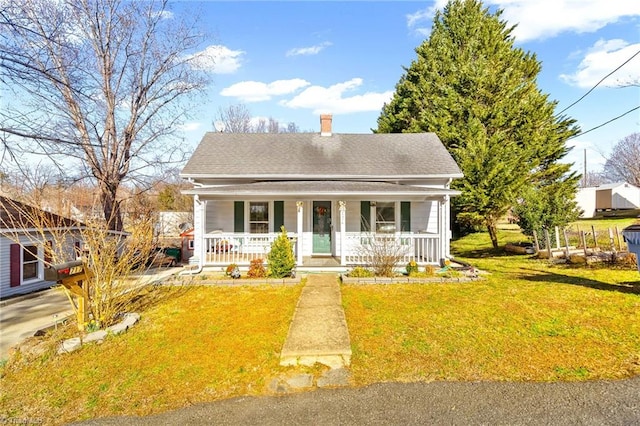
(318, 331)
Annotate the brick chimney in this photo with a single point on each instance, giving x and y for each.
(325, 124)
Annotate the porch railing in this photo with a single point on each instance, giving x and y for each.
(239, 248)
(227, 248)
(361, 248)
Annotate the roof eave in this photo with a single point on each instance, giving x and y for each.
(320, 177)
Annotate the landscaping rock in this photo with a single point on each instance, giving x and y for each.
(301, 381)
(277, 385)
(334, 378)
(70, 345)
(129, 320)
(96, 336)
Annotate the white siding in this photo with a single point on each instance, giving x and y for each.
(352, 217)
(586, 200)
(66, 253)
(220, 216)
(290, 217)
(424, 216)
(625, 196)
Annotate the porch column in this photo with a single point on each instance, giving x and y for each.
(342, 207)
(442, 227)
(199, 222)
(204, 260)
(447, 225)
(300, 207)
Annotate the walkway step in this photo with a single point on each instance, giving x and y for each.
(318, 331)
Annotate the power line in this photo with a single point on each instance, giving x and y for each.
(605, 123)
(601, 80)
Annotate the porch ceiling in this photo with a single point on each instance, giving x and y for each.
(321, 189)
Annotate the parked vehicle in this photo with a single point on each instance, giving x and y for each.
(158, 258)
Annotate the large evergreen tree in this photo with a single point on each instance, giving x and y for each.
(471, 86)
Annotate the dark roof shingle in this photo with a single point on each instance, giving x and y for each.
(312, 155)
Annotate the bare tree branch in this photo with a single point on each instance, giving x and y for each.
(623, 164)
(105, 82)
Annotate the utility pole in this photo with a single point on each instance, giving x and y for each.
(584, 175)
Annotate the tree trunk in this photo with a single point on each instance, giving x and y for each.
(111, 208)
(493, 234)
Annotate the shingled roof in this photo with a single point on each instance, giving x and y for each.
(21, 216)
(313, 156)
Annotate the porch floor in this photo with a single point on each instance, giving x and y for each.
(321, 261)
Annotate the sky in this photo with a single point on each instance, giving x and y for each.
(293, 60)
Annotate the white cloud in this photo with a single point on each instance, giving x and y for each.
(542, 19)
(421, 20)
(218, 59)
(191, 126)
(602, 58)
(166, 14)
(255, 91)
(332, 100)
(312, 50)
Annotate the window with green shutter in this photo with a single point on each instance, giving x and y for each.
(405, 216)
(278, 215)
(238, 216)
(365, 216)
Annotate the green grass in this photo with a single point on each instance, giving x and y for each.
(526, 320)
(205, 343)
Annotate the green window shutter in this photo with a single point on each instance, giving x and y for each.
(405, 216)
(278, 215)
(365, 216)
(238, 216)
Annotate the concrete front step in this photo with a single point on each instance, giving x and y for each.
(318, 332)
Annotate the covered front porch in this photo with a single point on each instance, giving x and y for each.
(347, 222)
(351, 248)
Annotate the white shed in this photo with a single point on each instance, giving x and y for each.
(611, 196)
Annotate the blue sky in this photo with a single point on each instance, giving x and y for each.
(294, 60)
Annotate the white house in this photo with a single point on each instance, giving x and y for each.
(611, 196)
(335, 194)
(28, 238)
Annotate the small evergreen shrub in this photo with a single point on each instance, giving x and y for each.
(257, 269)
(412, 268)
(280, 259)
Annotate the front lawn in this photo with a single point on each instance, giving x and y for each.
(206, 343)
(527, 320)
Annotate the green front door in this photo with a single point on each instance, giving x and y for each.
(322, 227)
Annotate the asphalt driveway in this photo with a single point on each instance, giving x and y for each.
(437, 403)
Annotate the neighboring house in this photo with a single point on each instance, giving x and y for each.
(171, 224)
(186, 244)
(612, 196)
(28, 237)
(338, 196)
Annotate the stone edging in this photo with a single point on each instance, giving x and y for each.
(76, 343)
(248, 281)
(404, 280)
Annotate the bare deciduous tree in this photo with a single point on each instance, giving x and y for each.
(624, 162)
(237, 119)
(98, 85)
(233, 119)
